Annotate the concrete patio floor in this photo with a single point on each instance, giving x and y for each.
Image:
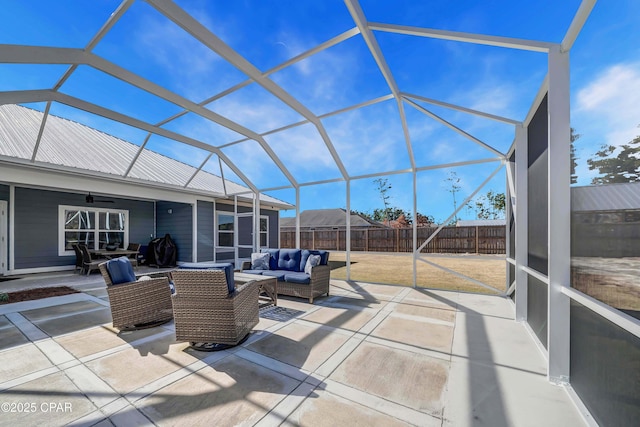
(370, 355)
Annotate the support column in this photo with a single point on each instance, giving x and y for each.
(521, 216)
(297, 217)
(256, 223)
(415, 229)
(348, 236)
(559, 216)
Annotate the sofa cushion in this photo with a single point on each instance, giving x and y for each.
(301, 278)
(120, 270)
(324, 256)
(260, 261)
(289, 259)
(226, 266)
(304, 256)
(278, 274)
(273, 260)
(312, 261)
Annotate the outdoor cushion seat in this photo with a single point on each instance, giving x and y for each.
(301, 278)
(278, 274)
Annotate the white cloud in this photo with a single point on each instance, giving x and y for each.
(611, 103)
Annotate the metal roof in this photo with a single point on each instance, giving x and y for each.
(606, 197)
(324, 218)
(73, 145)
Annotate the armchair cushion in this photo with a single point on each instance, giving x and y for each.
(289, 259)
(121, 270)
(260, 261)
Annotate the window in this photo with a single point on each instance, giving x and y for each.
(226, 225)
(91, 226)
(264, 231)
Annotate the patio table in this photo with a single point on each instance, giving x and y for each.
(268, 285)
(112, 254)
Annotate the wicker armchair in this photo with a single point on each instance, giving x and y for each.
(206, 314)
(138, 305)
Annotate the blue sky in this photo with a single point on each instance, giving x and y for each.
(605, 86)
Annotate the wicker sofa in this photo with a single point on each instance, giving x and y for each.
(288, 266)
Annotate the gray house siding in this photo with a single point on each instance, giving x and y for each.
(274, 233)
(205, 231)
(4, 195)
(179, 224)
(36, 224)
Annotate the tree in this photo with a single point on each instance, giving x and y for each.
(625, 167)
(390, 214)
(453, 186)
(383, 186)
(574, 137)
(489, 206)
(424, 220)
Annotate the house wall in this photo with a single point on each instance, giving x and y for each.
(36, 224)
(205, 231)
(179, 224)
(4, 195)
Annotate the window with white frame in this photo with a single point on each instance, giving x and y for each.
(94, 227)
(226, 227)
(264, 231)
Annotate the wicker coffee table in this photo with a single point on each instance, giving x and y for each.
(268, 285)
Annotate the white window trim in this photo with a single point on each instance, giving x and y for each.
(218, 248)
(61, 225)
(266, 217)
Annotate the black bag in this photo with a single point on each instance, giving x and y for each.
(162, 252)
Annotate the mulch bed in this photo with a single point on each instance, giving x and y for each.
(38, 293)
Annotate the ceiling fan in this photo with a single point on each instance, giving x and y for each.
(90, 199)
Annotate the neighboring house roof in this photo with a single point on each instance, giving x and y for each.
(479, 222)
(70, 144)
(324, 218)
(606, 197)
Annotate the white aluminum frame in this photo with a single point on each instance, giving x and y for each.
(556, 84)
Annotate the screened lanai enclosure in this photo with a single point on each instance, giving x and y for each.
(243, 109)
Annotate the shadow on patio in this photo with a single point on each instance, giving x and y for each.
(369, 353)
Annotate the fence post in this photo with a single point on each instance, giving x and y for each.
(313, 239)
(477, 248)
(366, 240)
(397, 231)
(337, 240)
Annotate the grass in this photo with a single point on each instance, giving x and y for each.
(398, 270)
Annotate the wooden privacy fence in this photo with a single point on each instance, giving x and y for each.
(456, 240)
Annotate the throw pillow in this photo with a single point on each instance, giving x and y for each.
(311, 262)
(260, 261)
